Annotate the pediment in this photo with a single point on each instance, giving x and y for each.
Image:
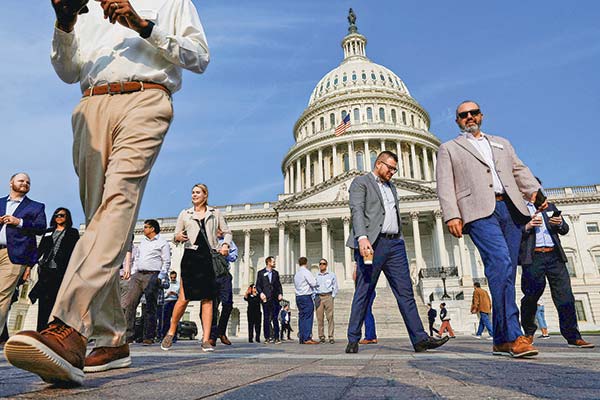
(335, 191)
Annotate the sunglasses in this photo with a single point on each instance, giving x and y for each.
(322, 263)
(473, 113)
(60, 215)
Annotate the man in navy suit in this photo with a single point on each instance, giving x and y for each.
(269, 288)
(20, 221)
(542, 256)
(379, 247)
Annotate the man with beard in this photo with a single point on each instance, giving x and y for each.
(21, 219)
(481, 185)
(128, 61)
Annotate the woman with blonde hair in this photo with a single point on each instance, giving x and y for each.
(197, 229)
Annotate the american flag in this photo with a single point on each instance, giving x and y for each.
(341, 128)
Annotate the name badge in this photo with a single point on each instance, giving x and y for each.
(266, 274)
(47, 234)
(497, 145)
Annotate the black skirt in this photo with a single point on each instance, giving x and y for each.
(197, 273)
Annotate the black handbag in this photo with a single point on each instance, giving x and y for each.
(219, 262)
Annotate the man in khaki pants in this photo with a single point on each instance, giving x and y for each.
(326, 290)
(21, 219)
(128, 62)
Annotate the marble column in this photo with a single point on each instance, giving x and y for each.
(585, 266)
(427, 174)
(439, 230)
(324, 238)
(351, 156)
(400, 160)
(308, 168)
(434, 155)
(413, 155)
(414, 216)
(348, 267)
(298, 175)
(382, 145)
(302, 225)
(267, 239)
(281, 259)
(320, 172)
(367, 156)
(286, 181)
(336, 170)
(465, 263)
(246, 278)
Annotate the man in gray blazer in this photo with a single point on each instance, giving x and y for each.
(376, 233)
(481, 185)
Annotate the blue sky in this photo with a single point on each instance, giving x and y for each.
(533, 66)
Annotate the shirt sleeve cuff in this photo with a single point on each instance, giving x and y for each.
(362, 237)
(158, 37)
(20, 225)
(64, 38)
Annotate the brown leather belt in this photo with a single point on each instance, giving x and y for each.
(123, 87)
(543, 249)
(499, 197)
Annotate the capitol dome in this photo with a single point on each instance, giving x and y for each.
(383, 116)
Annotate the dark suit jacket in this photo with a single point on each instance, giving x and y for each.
(271, 289)
(21, 243)
(528, 241)
(367, 209)
(431, 314)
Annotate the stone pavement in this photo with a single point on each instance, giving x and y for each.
(464, 368)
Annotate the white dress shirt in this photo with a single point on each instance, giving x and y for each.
(304, 282)
(11, 206)
(327, 283)
(152, 255)
(97, 52)
(482, 144)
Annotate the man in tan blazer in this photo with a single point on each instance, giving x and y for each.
(481, 185)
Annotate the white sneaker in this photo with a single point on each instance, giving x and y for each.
(477, 336)
(490, 338)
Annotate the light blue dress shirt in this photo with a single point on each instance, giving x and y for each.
(542, 235)
(327, 283)
(304, 282)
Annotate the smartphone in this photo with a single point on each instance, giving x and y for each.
(540, 198)
(556, 213)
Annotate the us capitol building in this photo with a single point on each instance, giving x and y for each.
(311, 217)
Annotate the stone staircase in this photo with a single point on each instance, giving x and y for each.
(388, 320)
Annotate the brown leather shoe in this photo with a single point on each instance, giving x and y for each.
(501, 349)
(147, 342)
(56, 354)
(581, 344)
(521, 347)
(368, 341)
(225, 340)
(529, 339)
(212, 342)
(105, 358)
(310, 341)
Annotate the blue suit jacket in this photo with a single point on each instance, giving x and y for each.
(528, 240)
(21, 243)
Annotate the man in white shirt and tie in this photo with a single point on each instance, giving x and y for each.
(305, 285)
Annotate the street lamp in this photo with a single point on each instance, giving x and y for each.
(443, 276)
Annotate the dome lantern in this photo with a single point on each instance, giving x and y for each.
(354, 44)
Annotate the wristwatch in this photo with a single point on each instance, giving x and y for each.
(145, 33)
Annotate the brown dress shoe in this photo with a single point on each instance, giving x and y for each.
(581, 344)
(310, 341)
(105, 358)
(522, 347)
(368, 341)
(225, 340)
(212, 342)
(56, 354)
(529, 339)
(501, 349)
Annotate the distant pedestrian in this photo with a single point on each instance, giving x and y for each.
(327, 288)
(445, 322)
(253, 314)
(482, 305)
(305, 285)
(431, 316)
(270, 291)
(285, 318)
(54, 252)
(171, 296)
(540, 318)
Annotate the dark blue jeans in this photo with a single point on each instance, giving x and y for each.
(484, 322)
(533, 283)
(498, 238)
(306, 308)
(370, 330)
(271, 310)
(389, 257)
(225, 298)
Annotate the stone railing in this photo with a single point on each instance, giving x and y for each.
(482, 281)
(431, 273)
(573, 191)
(286, 279)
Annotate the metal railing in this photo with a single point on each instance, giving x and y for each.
(429, 273)
(286, 279)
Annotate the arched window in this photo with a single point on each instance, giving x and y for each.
(346, 162)
(345, 78)
(322, 123)
(335, 81)
(312, 124)
(403, 117)
(373, 158)
(344, 113)
(381, 114)
(369, 114)
(373, 76)
(364, 76)
(412, 120)
(360, 162)
(356, 116)
(332, 120)
(354, 76)
(394, 115)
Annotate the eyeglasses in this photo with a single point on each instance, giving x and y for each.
(60, 215)
(147, 227)
(473, 113)
(393, 169)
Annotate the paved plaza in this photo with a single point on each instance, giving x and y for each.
(462, 369)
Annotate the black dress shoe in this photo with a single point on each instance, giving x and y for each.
(430, 343)
(352, 347)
